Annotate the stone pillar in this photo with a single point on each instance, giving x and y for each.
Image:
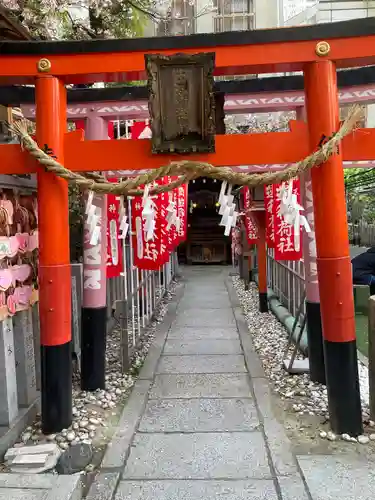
(314, 322)
(8, 383)
(94, 310)
(25, 359)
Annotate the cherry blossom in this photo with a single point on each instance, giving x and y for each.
(89, 19)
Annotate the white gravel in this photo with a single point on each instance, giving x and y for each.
(270, 341)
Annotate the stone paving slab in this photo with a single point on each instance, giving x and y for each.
(116, 454)
(203, 333)
(18, 494)
(199, 303)
(280, 447)
(204, 295)
(202, 346)
(206, 317)
(198, 456)
(104, 486)
(201, 386)
(293, 488)
(202, 364)
(25, 481)
(338, 477)
(197, 490)
(40, 487)
(199, 415)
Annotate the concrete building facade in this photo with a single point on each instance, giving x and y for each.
(344, 10)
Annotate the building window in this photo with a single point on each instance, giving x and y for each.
(180, 19)
(233, 15)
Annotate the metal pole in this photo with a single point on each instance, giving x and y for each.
(131, 229)
(371, 354)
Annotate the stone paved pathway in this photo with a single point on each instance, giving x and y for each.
(199, 424)
(202, 432)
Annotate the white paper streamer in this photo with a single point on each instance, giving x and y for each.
(222, 191)
(95, 236)
(145, 194)
(227, 208)
(90, 198)
(124, 228)
(148, 215)
(150, 230)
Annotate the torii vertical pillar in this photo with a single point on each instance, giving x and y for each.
(94, 310)
(333, 257)
(260, 216)
(54, 261)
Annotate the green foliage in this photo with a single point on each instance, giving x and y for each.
(360, 193)
(76, 211)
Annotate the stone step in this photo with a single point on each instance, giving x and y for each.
(30, 460)
(30, 450)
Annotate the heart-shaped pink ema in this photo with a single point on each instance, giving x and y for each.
(33, 241)
(23, 241)
(8, 206)
(6, 279)
(14, 246)
(22, 295)
(8, 246)
(20, 273)
(4, 247)
(11, 304)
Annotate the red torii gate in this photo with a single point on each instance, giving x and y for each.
(50, 65)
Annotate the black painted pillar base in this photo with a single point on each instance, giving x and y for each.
(93, 344)
(56, 387)
(315, 342)
(263, 302)
(344, 401)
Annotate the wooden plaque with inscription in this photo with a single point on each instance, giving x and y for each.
(181, 102)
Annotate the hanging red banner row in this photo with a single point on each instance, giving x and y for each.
(280, 235)
(154, 253)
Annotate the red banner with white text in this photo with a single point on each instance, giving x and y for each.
(174, 199)
(146, 252)
(269, 201)
(182, 198)
(171, 232)
(162, 201)
(284, 232)
(114, 244)
(250, 226)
